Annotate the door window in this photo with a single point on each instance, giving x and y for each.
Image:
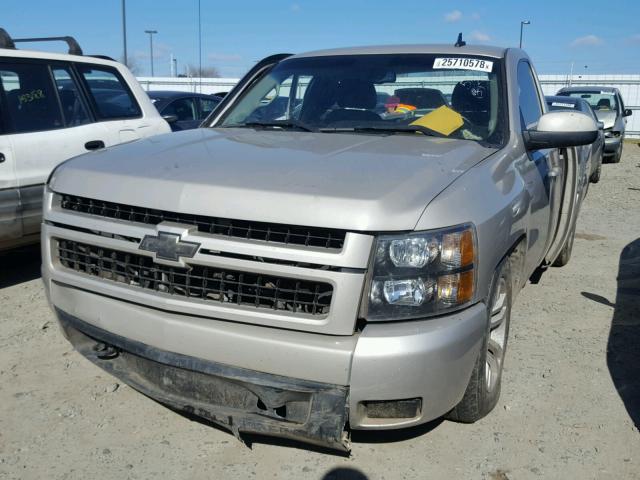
(73, 108)
(30, 96)
(206, 106)
(111, 96)
(530, 107)
(183, 108)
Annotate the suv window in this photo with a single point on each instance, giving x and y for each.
(111, 96)
(530, 108)
(31, 98)
(206, 106)
(183, 108)
(73, 108)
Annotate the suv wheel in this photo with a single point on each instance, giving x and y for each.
(483, 390)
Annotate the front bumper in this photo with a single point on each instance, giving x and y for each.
(427, 359)
(237, 399)
(611, 145)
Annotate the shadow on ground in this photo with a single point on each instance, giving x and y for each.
(623, 347)
(19, 265)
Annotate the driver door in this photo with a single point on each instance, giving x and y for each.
(543, 172)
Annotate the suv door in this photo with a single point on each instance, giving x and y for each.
(49, 122)
(112, 102)
(543, 172)
(10, 223)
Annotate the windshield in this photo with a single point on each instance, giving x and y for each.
(456, 97)
(599, 101)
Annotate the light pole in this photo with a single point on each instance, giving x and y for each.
(124, 31)
(199, 49)
(151, 33)
(522, 24)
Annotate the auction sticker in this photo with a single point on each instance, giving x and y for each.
(563, 105)
(460, 63)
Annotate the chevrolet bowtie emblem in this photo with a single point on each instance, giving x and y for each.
(168, 246)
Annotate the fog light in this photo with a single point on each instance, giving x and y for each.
(408, 408)
(414, 291)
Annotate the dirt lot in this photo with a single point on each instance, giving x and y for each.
(570, 398)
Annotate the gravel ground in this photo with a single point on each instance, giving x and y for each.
(571, 387)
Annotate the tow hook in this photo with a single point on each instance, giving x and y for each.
(104, 351)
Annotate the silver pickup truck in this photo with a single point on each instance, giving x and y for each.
(337, 248)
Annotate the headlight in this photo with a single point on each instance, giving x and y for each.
(611, 134)
(422, 273)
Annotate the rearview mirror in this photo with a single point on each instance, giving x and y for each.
(170, 118)
(627, 113)
(561, 129)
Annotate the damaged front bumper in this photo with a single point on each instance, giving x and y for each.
(238, 399)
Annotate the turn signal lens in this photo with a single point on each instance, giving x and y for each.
(457, 249)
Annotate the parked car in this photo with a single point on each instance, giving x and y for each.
(54, 107)
(183, 110)
(589, 154)
(292, 270)
(610, 110)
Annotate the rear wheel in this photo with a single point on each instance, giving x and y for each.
(565, 253)
(483, 390)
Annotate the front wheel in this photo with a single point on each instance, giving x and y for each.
(483, 390)
(618, 155)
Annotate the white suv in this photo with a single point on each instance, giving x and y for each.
(54, 107)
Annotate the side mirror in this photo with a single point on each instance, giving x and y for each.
(170, 118)
(600, 125)
(561, 129)
(627, 113)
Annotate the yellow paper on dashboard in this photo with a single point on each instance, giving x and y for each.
(443, 120)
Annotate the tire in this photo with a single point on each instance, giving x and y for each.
(595, 176)
(565, 253)
(483, 390)
(618, 155)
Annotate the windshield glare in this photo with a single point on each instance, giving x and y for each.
(456, 97)
(599, 101)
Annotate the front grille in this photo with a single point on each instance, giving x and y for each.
(200, 282)
(269, 232)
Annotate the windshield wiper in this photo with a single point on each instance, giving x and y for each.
(388, 129)
(384, 128)
(284, 124)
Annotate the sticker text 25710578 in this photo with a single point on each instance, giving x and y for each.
(464, 63)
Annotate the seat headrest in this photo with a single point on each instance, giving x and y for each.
(421, 97)
(471, 95)
(604, 104)
(356, 93)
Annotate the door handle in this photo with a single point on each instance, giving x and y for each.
(94, 145)
(2, 158)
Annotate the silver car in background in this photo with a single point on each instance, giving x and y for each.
(589, 154)
(610, 110)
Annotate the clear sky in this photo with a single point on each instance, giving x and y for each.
(603, 36)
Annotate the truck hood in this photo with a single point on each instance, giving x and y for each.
(608, 117)
(335, 180)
